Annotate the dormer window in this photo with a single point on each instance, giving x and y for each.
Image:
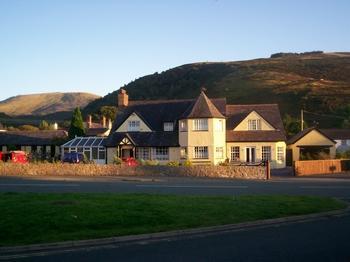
(200, 124)
(254, 124)
(168, 126)
(134, 126)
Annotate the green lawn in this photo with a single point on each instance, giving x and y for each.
(28, 218)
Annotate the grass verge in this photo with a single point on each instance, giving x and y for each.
(28, 218)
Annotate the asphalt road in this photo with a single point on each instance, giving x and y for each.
(321, 240)
(336, 187)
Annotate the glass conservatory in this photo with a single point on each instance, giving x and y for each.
(92, 147)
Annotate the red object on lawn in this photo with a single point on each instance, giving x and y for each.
(19, 157)
(130, 161)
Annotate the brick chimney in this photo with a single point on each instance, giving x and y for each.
(89, 121)
(123, 98)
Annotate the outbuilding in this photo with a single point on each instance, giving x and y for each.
(311, 143)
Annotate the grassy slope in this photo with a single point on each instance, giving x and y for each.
(34, 218)
(47, 103)
(319, 83)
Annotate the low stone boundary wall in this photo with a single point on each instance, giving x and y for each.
(319, 167)
(47, 169)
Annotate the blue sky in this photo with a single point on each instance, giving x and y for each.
(98, 46)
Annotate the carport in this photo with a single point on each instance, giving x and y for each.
(311, 143)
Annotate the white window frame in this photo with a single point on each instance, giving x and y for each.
(219, 152)
(160, 153)
(254, 124)
(183, 152)
(168, 126)
(219, 125)
(143, 153)
(182, 126)
(200, 124)
(201, 152)
(134, 125)
(235, 153)
(280, 153)
(266, 153)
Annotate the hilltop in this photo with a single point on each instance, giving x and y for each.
(315, 81)
(45, 103)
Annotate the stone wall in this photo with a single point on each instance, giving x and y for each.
(47, 169)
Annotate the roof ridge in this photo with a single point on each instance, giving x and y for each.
(204, 107)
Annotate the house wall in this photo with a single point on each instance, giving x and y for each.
(243, 126)
(110, 153)
(133, 117)
(313, 138)
(210, 138)
(258, 151)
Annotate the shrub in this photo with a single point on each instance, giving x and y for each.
(117, 160)
(173, 163)
(187, 163)
(151, 163)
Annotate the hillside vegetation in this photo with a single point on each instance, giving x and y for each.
(44, 104)
(317, 82)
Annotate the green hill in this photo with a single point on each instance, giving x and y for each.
(44, 104)
(317, 82)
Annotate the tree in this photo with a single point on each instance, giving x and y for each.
(76, 125)
(44, 125)
(109, 112)
(28, 128)
(292, 125)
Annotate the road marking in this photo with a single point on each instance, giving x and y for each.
(325, 187)
(181, 186)
(43, 185)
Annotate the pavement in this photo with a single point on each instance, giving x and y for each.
(334, 186)
(323, 239)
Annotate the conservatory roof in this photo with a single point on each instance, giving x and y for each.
(92, 141)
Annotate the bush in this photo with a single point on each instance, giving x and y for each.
(187, 163)
(173, 163)
(117, 160)
(151, 163)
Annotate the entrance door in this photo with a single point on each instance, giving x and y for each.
(126, 153)
(250, 154)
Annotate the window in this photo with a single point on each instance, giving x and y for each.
(280, 153)
(101, 153)
(168, 126)
(219, 152)
(142, 153)
(200, 124)
(201, 152)
(183, 152)
(219, 125)
(254, 124)
(134, 125)
(94, 153)
(183, 126)
(161, 153)
(266, 153)
(235, 153)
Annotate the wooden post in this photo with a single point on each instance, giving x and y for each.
(302, 120)
(268, 173)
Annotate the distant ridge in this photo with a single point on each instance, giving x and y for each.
(315, 81)
(45, 103)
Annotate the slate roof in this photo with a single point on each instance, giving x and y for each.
(145, 139)
(337, 133)
(235, 114)
(303, 133)
(203, 108)
(96, 131)
(32, 138)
